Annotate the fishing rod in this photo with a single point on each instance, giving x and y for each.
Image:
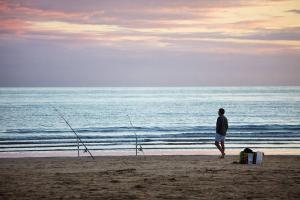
(78, 138)
(136, 139)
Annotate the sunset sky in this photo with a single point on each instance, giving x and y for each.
(149, 43)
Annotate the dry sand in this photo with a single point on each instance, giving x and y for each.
(151, 177)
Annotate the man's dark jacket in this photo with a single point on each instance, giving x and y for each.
(222, 125)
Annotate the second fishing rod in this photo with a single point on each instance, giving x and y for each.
(77, 136)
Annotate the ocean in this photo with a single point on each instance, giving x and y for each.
(172, 120)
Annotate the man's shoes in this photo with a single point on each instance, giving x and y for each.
(222, 156)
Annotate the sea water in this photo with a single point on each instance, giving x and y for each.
(174, 119)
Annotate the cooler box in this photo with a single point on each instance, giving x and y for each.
(251, 158)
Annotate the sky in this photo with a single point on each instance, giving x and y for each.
(149, 43)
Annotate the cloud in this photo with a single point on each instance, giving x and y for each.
(111, 38)
(15, 26)
(18, 11)
(294, 11)
(292, 34)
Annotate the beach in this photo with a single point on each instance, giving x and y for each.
(149, 177)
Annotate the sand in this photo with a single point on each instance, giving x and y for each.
(150, 177)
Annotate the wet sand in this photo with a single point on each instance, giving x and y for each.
(149, 177)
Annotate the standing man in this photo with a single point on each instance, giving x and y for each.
(221, 129)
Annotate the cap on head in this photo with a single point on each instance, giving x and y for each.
(221, 111)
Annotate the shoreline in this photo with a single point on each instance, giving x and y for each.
(173, 152)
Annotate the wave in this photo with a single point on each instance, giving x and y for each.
(153, 137)
(234, 128)
(132, 148)
(150, 137)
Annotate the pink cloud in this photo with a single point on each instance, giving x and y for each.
(138, 22)
(14, 26)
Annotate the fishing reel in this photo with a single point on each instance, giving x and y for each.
(140, 148)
